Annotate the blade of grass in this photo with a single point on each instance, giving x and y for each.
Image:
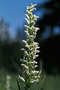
(18, 84)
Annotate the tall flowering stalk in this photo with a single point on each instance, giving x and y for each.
(31, 75)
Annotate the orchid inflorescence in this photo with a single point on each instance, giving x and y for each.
(31, 49)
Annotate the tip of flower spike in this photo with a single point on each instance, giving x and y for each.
(33, 5)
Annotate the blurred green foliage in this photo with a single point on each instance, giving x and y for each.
(46, 83)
